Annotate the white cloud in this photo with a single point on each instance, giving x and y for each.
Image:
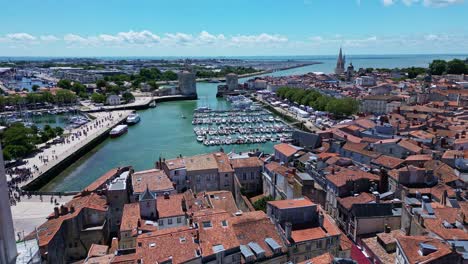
(20, 37)
(48, 38)
(427, 3)
(388, 2)
(179, 38)
(441, 3)
(206, 37)
(262, 38)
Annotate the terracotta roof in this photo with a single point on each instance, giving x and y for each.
(101, 180)
(436, 226)
(201, 162)
(313, 233)
(215, 233)
(420, 157)
(388, 161)
(177, 244)
(365, 123)
(130, 217)
(360, 148)
(97, 250)
(410, 247)
(177, 163)
(47, 230)
(171, 206)
(223, 162)
(409, 146)
(245, 224)
(156, 181)
(326, 258)
(277, 168)
(362, 198)
(222, 200)
(249, 162)
(291, 203)
(286, 149)
(344, 174)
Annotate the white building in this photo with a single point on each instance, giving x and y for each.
(365, 81)
(113, 100)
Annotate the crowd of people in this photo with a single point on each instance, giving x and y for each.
(32, 167)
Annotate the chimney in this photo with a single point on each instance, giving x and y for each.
(377, 197)
(166, 195)
(388, 229)
(288, 230)
(320, 219)
(56, 212)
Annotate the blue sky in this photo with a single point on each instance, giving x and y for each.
(231, 27)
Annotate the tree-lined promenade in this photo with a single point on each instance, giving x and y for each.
(339, 107)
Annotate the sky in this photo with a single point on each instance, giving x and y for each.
(231, 27)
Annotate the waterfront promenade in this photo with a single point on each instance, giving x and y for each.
(74, 140)
(307, 123)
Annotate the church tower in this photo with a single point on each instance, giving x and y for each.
(340, 63)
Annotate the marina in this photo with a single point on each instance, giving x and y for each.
(239, 127)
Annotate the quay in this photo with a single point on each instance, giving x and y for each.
(140, 103)
(299, 122)
(48, 163)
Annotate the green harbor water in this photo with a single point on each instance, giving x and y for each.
(161, 132)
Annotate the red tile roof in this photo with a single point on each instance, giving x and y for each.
(286, 149)
(156, 180)
(292, 203)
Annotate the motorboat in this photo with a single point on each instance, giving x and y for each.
(118, 130)
(133, 119)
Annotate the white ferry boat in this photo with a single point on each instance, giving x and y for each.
(118, 130)
(133, 119)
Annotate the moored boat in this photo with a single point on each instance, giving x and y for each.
(118, 130)
(133, 118)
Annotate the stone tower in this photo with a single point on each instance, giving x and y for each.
(8, 250)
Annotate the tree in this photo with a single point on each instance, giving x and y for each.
(47, 97)
(98, 98)
(438, 67)
(456, 66)
(18, 141)
(262, 203)
(65, 84)
(128, 97)
(101, 83)
(35, 87)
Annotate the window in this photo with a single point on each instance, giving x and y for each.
(224, 223)
(161, 222)
(169, 221)
(252, 175)
(207, 224)
(390, 150)
(179, 220)
(225, 175)
(176, 172)
(244, 176)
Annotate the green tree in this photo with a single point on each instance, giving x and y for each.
(65, 84)
(35, 87)
(47, 97)
(101, 83)
(98, 98)
(261, 204)
(17, 141)
(456, 66)
(128, 97)
(438, 67)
